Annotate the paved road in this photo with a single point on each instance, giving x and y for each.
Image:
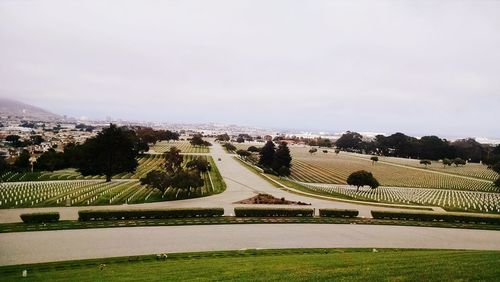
(47, 246)
(241, 184)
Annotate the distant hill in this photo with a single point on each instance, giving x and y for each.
(15, 109)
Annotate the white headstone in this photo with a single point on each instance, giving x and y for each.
(25, 273)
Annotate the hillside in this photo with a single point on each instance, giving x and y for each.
(13, 108)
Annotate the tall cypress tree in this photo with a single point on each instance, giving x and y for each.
(267, 154)
(282, 161)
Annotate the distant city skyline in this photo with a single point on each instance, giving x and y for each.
(422, 68)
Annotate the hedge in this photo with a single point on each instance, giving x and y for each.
(41, 217)
(88, 215)
(270, 212)
(431, 216)
(338, 213)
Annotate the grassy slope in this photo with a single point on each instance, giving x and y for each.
(332, 168)
(282, 265)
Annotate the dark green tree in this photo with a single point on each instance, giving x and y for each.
(14, 140)
(282, 158)
(199, 163)
(267, 154)
(361, 178)
(350, 140)
(147, 135)
(229, 147)
(50, 161)
(459, 161)
(173, 160)
(447, 162)
(112, 151)
(493, 163)
(434, 148)
(36, 139)
(166, 135)
(157, 180)
(284, 171)
(187, 179)
(4, 165)
(22, 163)
(469, 149)
(197, 140)
(323, 142)
(223, 137)
(243, 153)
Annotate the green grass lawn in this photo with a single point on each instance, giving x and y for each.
(278, 265)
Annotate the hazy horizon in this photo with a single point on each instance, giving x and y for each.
(428, 68)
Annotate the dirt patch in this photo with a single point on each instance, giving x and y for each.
(266, 199)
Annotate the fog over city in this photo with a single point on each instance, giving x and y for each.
(421, 67)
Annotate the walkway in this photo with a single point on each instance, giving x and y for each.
(47, 246)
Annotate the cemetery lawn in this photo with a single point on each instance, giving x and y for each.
(276, 265)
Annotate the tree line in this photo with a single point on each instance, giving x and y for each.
(404, 146)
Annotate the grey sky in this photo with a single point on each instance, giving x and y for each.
(424, 67)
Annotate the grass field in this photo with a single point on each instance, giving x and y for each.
(334, 169)
(125, 189)
(184, 146)
(470, 170)
(276, 265)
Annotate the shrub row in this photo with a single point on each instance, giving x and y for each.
(430, 216)
(88, 215)
(338, 213)
(270, 212)
(41, 217)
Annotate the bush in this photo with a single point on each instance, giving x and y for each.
(338, 213)
(88, 215)
(431, 216)
(268, 171)
(271, 212)
(42, 217)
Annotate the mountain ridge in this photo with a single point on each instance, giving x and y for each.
(14, 108)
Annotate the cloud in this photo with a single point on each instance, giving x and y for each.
(416, 67)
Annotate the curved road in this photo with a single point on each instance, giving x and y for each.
(241, 184)
(47, 246)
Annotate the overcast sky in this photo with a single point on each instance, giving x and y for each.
(422, 67)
